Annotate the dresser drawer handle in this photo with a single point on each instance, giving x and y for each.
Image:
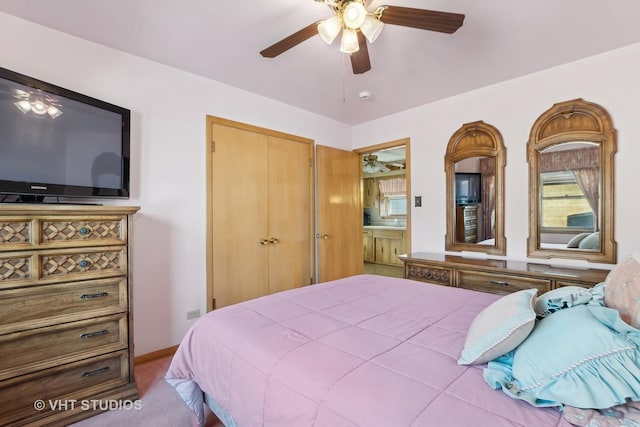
(84, 231)
(99, 295)
(499, 283)
(96, 372)
(83, 263)
(93, 334)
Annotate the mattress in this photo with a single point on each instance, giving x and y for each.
(360, 351)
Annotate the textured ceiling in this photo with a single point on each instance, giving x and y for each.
(221, 40)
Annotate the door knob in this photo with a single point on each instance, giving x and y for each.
(264, 241)
(322, 236)
(273, 241)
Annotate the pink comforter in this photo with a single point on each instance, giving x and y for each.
(361, 351)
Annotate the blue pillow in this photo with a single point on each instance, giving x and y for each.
(564, 297)
(584, 356)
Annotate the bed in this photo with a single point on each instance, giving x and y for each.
(360, 351)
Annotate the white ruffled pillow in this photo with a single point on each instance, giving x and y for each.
(499, 328)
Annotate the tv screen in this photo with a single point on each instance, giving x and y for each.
(56, 142)
(468, 188)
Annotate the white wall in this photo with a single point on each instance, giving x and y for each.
(168, 158)
(610, 80)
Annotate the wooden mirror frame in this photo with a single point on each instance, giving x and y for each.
(477, 139)
(574, 121)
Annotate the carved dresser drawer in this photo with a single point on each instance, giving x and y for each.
(65, 312)
(431, 274)
(40, 267)
(495, 275)
(499, 283)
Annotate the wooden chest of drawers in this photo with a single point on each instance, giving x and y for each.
(65, 312)
(495, 276)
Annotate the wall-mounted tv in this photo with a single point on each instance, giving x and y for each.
(58, 143)
(468, 188)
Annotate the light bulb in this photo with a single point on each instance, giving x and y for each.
(24, 106)
(349, 42)
(353, 15)
(53, 111)
(371, 28)
(329, 29)
(39, 107)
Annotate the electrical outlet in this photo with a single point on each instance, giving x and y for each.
(193, 314)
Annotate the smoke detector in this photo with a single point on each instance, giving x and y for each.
(364, 95)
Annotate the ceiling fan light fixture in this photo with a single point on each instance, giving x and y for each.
(349, 42)
(371, 27)
(330, 28)
(354, 14)
(24, 106)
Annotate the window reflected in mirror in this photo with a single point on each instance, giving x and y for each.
(570, 155)
(570, 196)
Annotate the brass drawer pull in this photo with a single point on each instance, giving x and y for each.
(499, 283)
(96, 372)
(93, 334)
(99, 295)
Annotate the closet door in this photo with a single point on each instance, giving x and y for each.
(260, 204)
(239, 220)
(290, 215)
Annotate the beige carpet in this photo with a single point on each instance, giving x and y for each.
(161, 405)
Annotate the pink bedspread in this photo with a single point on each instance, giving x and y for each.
(361, 351)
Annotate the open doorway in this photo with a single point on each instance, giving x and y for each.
(386, 192)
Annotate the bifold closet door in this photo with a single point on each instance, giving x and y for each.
(240, 218)
(261, 214)
(290, 214)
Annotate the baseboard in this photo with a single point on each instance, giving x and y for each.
(154, 355)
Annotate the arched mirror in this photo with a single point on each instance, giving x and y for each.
(474, 167)
(570, 153)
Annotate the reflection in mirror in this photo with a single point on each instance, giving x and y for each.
(474, 166)
(571, 185)
(570, 196)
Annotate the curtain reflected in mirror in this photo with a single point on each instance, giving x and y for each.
(474, 165)
(570, 155)
(570, 196)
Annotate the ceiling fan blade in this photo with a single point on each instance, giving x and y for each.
(432, 20)
(360, 62)
(291, 41)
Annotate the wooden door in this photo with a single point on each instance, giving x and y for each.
(290, 214)
(340, 217)
(239, 219)
(260, 212)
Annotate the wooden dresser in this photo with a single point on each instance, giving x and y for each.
(495, 276)
(467, 224)
(66, 342)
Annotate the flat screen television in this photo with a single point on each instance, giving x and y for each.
(58, 143)
(468, 188)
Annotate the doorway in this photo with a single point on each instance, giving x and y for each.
(386, 188)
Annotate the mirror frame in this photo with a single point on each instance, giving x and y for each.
(476, 139)
(574, 121)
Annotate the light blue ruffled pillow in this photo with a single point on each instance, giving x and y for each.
(560, 298)
(584, 356)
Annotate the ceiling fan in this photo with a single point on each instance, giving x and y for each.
(359, 26)
(370, 164)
